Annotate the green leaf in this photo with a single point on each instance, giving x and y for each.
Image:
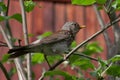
(100, 69)
(14, 40)
(83, 64)
(2, 18)
(116, 4)
(17, 17)
(74, 58)
(83, 2)
(37, 58)
(115, 58)
(5, 58)
(101, 1)
(12, 71)
(102, 62)
(58, 72)
(29, 5)
(45, 35)
(114, 70)
(92, 48)
(53, 59)
(73, 45)
(100, 7)
(3, 7)
(30, 35)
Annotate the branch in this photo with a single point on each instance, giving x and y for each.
(17, 61)
(4, 71)
(3, 44)
(106, 69)
(26, 39)
(112, 16)
(102, 24)
(84, 42)
(86, 56)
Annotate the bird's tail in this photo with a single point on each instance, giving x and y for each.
(19, 51)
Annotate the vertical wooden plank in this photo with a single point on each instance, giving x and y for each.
(70, 12)
(29, 24)
(38, 23)
(101, 39)
(43, 18)
(15, 25)
(90, 21)
(59, 15)
(48, 10)
(79, 17)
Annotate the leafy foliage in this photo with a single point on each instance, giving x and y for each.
(58, 72)
(29, 5)
(92, 48)
(37, 58)
(83, 2)
(74, 44)
(5, 58)
(101, 1)
(84, 64)
(115, 58)
(17, 17)
(45, 35)
(12, 71)
(114, 70)
(2, 7)
(116, 4)
(2, 18)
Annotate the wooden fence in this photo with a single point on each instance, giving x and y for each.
(50, 16)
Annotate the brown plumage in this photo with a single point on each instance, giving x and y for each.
(57, 43)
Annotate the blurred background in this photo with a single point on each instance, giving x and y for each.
(50, 15)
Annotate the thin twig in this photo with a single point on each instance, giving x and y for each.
(47, 61)
(4, 71)
(102, 24)
(8, 4)
(86, 56)
(26, 39)
(2, 42)
(106, 69)
(83, 43)
(3, 45)
(20, 71)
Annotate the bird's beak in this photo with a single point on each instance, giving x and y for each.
(82, 26)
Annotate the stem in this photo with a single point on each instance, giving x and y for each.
(8, 4)
(102, 24)
(26, 39)
(20, 71)
(106, 69)
(4, 71)
(86, 56)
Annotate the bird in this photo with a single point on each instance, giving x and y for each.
(57, 43)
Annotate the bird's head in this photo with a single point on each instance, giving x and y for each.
(74, 27)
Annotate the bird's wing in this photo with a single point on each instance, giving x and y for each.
(56, 37)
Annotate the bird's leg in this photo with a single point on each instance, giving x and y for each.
(47, 61)
(19, 42)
